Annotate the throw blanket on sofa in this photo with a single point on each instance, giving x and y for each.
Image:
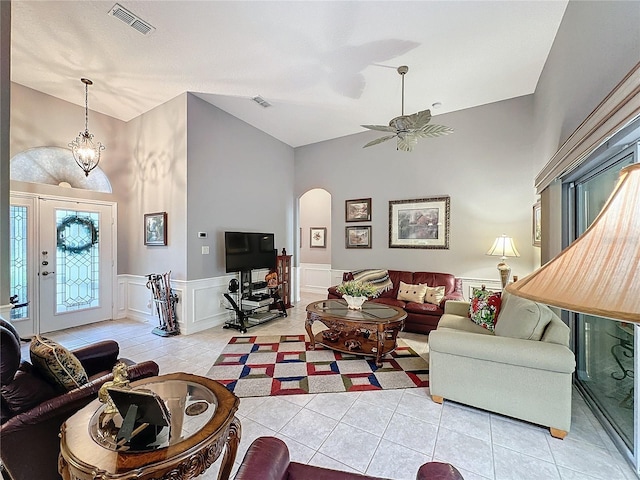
(379, 278)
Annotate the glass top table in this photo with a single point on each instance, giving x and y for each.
(370, 331)
(202, 425)
(191, 405)
(370, 311)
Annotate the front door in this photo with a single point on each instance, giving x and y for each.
(75, 263)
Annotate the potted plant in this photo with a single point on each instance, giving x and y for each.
(356, 293)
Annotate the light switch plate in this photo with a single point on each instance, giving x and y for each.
(205, 250)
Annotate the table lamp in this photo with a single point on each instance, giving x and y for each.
(599, 273)
(504, 247)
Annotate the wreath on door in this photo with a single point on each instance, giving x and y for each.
(83, 223)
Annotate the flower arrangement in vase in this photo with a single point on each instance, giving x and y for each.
(356, 293)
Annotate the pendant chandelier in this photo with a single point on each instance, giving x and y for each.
(85, 152)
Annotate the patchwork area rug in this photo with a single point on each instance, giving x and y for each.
(257, 366)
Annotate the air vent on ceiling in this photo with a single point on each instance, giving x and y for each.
(261, 101)
(131, 19)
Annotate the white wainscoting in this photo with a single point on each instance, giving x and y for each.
(336, 276)
(315, 277)
(200, 302)
(470, 283)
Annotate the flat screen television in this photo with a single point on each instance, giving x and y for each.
(249, 251)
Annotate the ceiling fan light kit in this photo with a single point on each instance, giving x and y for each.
(408, 128)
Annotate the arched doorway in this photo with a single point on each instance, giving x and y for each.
(315, 241)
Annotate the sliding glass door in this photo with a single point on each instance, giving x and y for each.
(604, 348)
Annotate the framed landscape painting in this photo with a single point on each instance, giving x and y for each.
(419, 223)
(358, 237)
(358, 210)
(155, 228)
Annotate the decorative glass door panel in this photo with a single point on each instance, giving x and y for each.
(18, 223)
(75, 264)
(77, 260)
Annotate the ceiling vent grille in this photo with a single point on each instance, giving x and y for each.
(131, 19)
(261, 101)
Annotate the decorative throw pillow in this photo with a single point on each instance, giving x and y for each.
(434, 295)
(56, 363)
(484, 308)
(412, 293)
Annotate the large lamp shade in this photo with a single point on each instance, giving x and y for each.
(599, 273)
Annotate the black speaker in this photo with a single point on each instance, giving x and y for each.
(234, 285)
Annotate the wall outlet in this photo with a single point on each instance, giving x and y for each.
(205, 250)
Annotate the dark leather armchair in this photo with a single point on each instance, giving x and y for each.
(32, 410)
(268, 459)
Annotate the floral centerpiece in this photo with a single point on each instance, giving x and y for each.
(356, 293)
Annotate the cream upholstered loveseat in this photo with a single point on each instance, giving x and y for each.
(524, 370)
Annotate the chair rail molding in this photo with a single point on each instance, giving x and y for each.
(199, 305)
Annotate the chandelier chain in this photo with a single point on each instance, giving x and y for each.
(86, 107)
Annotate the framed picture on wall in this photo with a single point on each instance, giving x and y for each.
(358, 210)
(318, 237)
(420, 223)
(357, 237)
(537, 225)
(155, 228)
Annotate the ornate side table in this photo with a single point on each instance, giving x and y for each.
(202, 425)
(371, 331)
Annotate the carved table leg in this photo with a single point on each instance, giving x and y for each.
(233, 440)
(380, 346)
(307, 326)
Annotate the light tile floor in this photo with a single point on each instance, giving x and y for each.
(387, 433)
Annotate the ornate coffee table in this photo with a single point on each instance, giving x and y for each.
(371, 331)
(202, 425)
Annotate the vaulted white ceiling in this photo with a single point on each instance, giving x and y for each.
(326, 67)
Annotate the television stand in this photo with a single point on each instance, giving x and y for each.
(247, 315)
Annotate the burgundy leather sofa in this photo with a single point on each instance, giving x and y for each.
(268, 459)
(32, 410)
(421, 317)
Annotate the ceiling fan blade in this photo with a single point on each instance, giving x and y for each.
(433, 131)
(379, 140)
(380, 128)
(406, 142)
(422, 118)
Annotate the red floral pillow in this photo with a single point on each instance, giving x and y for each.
(484, 308)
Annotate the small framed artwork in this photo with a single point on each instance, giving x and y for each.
(420, 223)
(155, 228)
(358, 210)
(357, 237)
(318, 237)
(537, 225)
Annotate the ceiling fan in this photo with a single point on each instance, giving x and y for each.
(408, 128)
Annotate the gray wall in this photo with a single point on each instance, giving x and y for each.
(239, 179)
(596, 46)
(154, 179)
(485, 167)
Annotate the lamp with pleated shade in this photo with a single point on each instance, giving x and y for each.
(599, 273)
